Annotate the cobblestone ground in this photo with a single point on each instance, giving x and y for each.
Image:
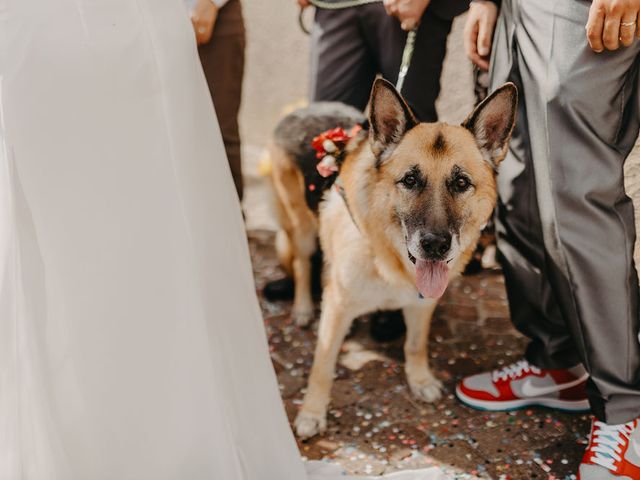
(376, 426)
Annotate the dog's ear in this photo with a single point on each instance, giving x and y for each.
(492, 123)
(389, 118)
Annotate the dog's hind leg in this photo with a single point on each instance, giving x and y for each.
(422, 382)
(305, 241)
(299, 234)
(335, 321)
(284, 251)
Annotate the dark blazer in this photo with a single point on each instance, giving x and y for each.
(448, 9)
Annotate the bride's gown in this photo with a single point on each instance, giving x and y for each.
(131, 346)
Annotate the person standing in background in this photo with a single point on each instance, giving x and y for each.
(350, 46)
(220, 34)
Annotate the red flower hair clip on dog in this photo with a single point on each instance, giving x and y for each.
(330, 149)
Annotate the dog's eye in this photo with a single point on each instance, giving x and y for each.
(409, 180)
(461, 184)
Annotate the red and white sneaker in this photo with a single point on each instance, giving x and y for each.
(522, 385)
(613, 452)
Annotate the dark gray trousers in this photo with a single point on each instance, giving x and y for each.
(349, 47)
(566, 228)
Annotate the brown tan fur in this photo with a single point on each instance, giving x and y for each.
(367, 267)
(296, 241)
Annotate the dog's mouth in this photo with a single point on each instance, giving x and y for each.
(432, 277)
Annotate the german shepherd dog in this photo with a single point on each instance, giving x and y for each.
(414, 199)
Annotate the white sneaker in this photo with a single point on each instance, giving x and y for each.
(613, 452)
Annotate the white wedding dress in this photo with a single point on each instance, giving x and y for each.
(131, 342)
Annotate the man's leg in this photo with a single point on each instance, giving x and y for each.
(583, 121)
(551, 374)
(387, 40)
(342, 67)
(223, 63)
(532, 301)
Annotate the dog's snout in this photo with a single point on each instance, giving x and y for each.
(436, 245)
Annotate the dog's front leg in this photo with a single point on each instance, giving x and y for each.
(334, 325)
(422, 382)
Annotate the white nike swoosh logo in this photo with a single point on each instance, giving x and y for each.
(530, 390)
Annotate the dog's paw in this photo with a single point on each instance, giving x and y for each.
(302, 317)
(427, 389)
(309, 424)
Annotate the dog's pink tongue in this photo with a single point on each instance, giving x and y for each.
(431, 278)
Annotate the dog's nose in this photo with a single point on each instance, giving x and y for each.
(436, 245)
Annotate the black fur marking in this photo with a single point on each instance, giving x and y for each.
(440, 144)
(420, 178)
(456, 174)
(295, 132)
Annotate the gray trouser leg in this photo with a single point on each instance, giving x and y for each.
(565, 225)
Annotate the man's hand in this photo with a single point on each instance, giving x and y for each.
(611, 23)
(409, 12)
(304, 3)
(478, 32)
(203, 17)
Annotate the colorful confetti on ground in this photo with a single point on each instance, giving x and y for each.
(376, 426)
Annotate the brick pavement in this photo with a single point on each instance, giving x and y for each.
(376, 426)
